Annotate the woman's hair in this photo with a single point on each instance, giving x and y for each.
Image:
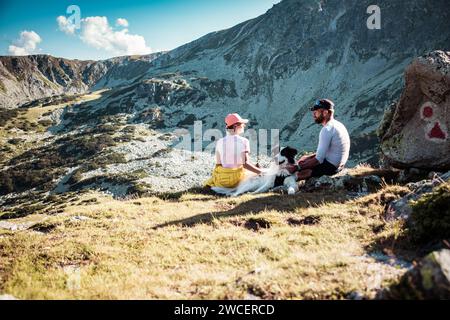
(232, 129)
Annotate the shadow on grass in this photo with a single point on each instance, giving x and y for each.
(388, 175)
(176, 196)
(284, 203)
(404, 247)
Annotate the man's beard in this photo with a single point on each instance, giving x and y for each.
(319, 119)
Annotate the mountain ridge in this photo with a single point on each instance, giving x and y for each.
(27, 78)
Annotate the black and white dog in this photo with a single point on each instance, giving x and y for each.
(276, 176)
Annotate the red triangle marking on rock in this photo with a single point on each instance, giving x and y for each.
(437, 132)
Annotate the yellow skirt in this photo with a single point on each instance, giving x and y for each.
(225, 177)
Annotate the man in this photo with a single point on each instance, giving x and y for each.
(334, 145)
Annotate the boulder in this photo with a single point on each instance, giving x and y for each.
(401, 208)
(429, 279)
(417, 135)
(344, 181)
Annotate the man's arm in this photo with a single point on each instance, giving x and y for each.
(319, 156)
(303, 158)
(303, 163)
(309, 162)
(324, 143)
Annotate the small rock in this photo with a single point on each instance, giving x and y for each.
(256, 224)
(13, 226)
(308, 221)
(250, 296)
(355, 296)
(79, 218)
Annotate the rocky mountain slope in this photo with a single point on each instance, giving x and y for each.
(270, 69)
(280, 62)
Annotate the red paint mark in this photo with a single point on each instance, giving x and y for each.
(437, 132)
(428, 112)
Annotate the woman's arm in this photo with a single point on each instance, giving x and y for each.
(250, 166)
(218, 161)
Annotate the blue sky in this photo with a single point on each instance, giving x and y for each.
(162, 24)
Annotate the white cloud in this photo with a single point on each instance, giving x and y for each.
(98, 33)
(26, 44)
(65, 25)
(122, 22)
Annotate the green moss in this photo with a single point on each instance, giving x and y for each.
(124, 138)
(105, 159)
(108, 128)
(392, 144)
(139, 189)
(138, 174)
(386, 121)
(431, 216)
(129, 129)
(427, 277)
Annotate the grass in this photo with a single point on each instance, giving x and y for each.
(199, 246)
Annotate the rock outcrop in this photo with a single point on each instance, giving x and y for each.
(401, 208)
(418, 132)
(346, 182)
(429, 279)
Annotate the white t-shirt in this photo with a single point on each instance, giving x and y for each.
(231, 150)
(334, 144)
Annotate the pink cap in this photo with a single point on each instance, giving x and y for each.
(233, 119)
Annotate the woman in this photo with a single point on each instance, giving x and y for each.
(232, 155)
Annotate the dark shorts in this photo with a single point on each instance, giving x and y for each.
(324, 169)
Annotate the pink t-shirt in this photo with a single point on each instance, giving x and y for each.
(231, 150)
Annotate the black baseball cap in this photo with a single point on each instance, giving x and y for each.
(323, 104)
